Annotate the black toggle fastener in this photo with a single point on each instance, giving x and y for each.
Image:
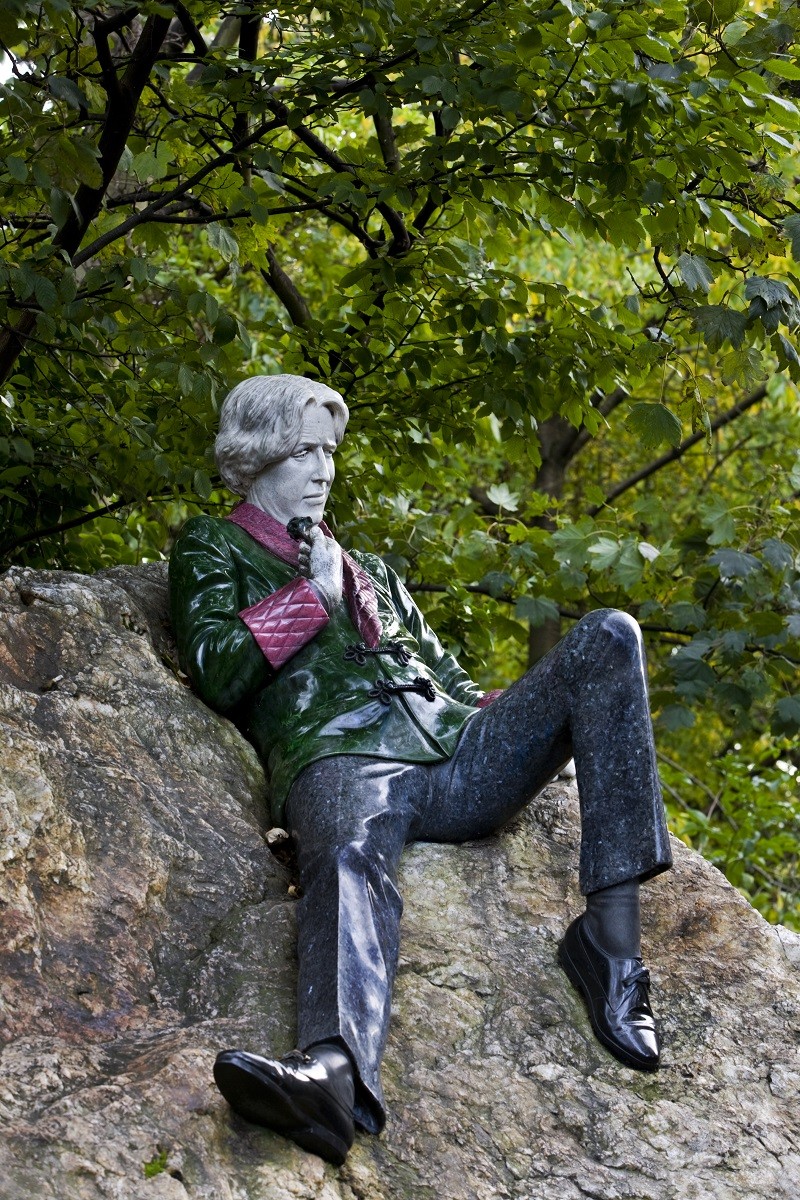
(384, 690)
(359, 650)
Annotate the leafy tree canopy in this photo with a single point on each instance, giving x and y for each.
(546, 251)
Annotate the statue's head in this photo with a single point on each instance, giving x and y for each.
(277, 435)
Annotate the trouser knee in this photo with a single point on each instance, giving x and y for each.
(614, 635)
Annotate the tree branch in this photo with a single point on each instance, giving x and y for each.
(115, 23)
(192, 32)
(401, 238)
(144, 214)
(285, 290)
(51, 530)
(386, 140)
(249, 29)
(120, 111)
(673, 455)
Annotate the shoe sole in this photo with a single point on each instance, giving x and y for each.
(259, 1100)
(573, 975)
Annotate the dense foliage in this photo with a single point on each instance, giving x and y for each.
(546, 251)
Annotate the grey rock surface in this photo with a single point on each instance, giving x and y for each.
(145, 924)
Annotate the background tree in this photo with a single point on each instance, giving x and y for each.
(544, 249)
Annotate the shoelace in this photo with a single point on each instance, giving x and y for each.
(298, 1057)
(639, 975)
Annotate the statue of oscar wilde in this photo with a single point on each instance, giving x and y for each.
(372, 736)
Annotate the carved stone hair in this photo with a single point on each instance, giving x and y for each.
(261, 422)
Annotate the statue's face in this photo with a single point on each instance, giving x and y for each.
(298, 486)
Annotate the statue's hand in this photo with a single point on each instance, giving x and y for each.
(320, 562)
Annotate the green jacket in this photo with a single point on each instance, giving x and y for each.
(317, 703)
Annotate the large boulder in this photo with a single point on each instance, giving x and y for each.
(146, 923)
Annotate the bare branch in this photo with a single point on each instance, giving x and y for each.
(673, 455)
(115, 23)
(36, 534)
(193, 33)
(402, 239)
(249, 29)
(387, 142)
(168, 198)
(286, 291)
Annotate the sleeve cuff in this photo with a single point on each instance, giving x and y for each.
(488, 697)
(285, 621)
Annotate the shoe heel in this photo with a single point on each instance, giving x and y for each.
(322, 1142)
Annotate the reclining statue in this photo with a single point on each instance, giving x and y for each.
(372, 736)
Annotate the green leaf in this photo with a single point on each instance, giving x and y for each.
(220, 238)
(22, 449)
(653, 424)
(17, 168)
(605, 552)
(778, 553)
(152, 163)
(65, 89)
(783, 67)
(225, 329)
(202, 484)
(695, 272)
(273, 181)
(745, 367)
(185, 379)
(598, 20)
(734, 564)
(789, 352)
(791, 227)
(787, 714)
(771, 291)
(10, 32)
(45, 292)
(536, 610)
(718, 323)
(501, 495)
(718, 517)
(676, 716)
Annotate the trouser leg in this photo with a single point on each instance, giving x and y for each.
(349, 817)
(587, 698)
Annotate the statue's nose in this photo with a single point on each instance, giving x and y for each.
(322, 467)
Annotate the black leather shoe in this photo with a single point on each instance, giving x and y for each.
(616, 991)
(300, 1096)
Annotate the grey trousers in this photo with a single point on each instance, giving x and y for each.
(351, 816)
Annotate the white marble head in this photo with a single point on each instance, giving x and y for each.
(262, 422)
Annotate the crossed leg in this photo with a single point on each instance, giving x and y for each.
(351, 817)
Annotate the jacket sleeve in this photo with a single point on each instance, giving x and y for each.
(215, 647)
(231, 653)
(452, 678)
